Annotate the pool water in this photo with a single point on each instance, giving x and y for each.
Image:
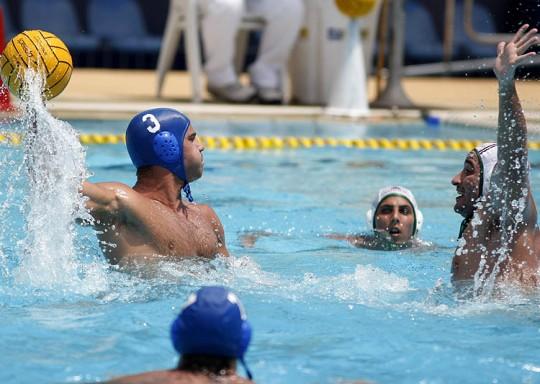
(322, 311)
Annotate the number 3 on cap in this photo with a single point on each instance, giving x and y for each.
(154, 123)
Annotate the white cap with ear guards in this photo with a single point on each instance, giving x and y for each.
(395, 191)
(487, 156)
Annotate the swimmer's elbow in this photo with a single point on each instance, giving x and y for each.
(111, 205)
(102, 201)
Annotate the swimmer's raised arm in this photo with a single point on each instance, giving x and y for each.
(510, 177)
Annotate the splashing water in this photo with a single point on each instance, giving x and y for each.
(492, 263)
(54, 167)
(10, 207)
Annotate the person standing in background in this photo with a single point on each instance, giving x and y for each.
(220, 23)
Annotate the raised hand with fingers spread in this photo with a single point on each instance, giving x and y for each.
(511, 54)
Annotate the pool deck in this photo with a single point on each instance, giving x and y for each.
(106, 93)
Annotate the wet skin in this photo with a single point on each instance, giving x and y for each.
(467, 183)
(150, 221)
(482, 242)
(394, 219)
(499, 243)
(178, 377)
(394, 226)
(193, 155)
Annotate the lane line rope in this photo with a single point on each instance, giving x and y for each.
(255, 143)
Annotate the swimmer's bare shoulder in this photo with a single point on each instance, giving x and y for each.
(196, 227)
(112, 200)
(177, 377)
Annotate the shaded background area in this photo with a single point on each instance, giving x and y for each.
(134, 42)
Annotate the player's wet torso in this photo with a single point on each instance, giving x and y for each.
(485, 247)
(161, 233)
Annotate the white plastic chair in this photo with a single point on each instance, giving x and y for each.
(184, 17)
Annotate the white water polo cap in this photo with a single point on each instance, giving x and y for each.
(396, 191)
(487, 156)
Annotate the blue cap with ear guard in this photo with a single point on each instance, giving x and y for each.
(156, 137)
(213, 322)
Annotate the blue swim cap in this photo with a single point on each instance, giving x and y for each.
(213, 322)
(156, 137)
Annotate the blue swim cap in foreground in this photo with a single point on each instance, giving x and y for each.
(212, 322)
(156, 137)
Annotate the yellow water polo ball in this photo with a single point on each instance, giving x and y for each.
(41, 51)
(355, 8)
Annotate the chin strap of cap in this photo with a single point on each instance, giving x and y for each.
(187, 191)
(463, 226)
(248, 372)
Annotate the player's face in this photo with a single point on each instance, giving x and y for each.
(395, 218)
(193, 155)
(467, 183)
